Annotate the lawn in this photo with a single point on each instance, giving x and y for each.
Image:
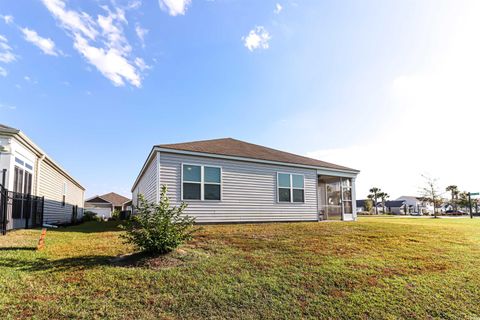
(373, 268)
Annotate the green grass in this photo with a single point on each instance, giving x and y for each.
(374, 268)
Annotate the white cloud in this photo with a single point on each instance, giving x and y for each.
(135, 4)
(6, 54)
(140, 63)
(3, 72)
(8, 19)
(4, 106)
(257, 38)
(174, 7)
(45, 44)
(101, 42)
(141, 33)
(278, 8)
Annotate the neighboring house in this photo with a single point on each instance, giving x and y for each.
(227, 180)
(394, 206)
(27, 170)
(105, 204)
(417, 205)
(361, 205)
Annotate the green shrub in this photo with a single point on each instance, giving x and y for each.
(115, 215)
(90, 216)
(158, 228)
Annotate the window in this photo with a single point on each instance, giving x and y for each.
(291, 187)
(201, 182)
(192, 182)
(20, 162)
(18, 180)
(28, 183)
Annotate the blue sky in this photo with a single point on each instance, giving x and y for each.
(367, 84)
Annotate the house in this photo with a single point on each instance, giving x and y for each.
(393, 206)
(105, 204)
(228, 180)
(39, 189)
(417, 205)
(361, 205)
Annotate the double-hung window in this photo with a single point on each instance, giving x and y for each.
(201, 182)
(291, 187)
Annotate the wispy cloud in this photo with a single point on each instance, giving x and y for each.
(141, 33)
(4, 106)
(174, 7)
(257, 38)
(278, 8)
(45, 44)
(3, 72)
(6, 53)
(8, 19)
(101, 42)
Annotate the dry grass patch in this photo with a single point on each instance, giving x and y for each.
(374, 268)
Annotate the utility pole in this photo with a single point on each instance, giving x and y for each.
(470, 204)
(470, 194)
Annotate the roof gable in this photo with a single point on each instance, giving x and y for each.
(97, 199)
(114, 198)
(237, 148)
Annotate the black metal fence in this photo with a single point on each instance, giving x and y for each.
(19, 210)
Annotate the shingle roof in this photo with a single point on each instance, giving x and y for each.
(237, 148)
(394, 203)
(112, 197)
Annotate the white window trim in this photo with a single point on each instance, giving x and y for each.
(202, 182)
(291, 187)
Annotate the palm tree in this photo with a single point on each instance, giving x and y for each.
(384, 196)
(453, 189)
(374, 195)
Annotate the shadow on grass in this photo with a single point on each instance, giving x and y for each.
(91, 227)
(18, 248)
(139, 259)
(42, 264)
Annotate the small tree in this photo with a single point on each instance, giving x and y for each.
(454, 195)
(159, 228)
(384, 196)
(430, 192)
(368, 205)
(374, 195)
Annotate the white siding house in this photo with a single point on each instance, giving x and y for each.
(227, 180)
(27, 169)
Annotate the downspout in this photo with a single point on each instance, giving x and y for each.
(37, 180)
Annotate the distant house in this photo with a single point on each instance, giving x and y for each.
(105, 204)
(27, 172)
(417, 205)
(361, 205)
(394, 206)
(228, 180)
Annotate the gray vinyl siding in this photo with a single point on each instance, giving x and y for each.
(249, 191)
(147, 185)
(51, 187)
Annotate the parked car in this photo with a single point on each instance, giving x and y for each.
(416, 214)
(455, 212)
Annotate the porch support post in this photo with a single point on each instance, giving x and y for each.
(354, 199)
